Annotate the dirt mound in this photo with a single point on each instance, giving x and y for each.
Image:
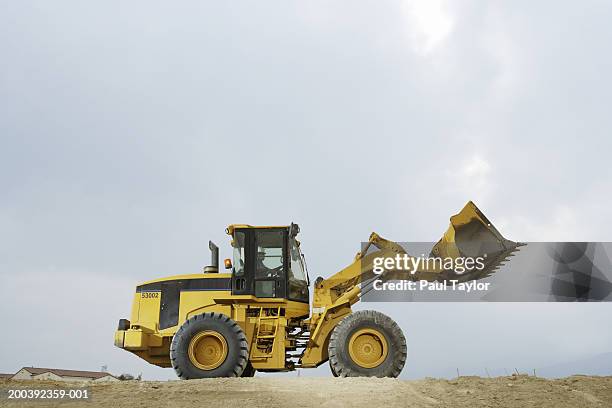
(516, 391)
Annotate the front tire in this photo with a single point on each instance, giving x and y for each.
(331, 368)
(367, 344)
(209, 345)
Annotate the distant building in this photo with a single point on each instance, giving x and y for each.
(5, 376)
(54, 374)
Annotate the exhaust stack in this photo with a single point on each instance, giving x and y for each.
(214, 259)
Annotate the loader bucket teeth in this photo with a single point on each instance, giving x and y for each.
(471, 234)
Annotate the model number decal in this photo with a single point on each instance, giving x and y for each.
(150, 295)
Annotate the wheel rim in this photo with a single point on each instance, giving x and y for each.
(207, 350)
(368, 348)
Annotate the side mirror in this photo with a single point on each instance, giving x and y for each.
(228, 263)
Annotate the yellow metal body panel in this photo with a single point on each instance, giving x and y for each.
(135, 340)
(146, 340)
(316, 352)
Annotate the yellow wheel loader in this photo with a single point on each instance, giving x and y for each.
(257, 316)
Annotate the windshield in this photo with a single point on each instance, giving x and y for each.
(298, 271)
(298, 279)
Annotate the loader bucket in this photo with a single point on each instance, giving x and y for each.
(471, 234)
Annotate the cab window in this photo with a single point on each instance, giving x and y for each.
(238, 244)
(269, 262)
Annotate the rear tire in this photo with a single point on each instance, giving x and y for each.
(249, 371)
(209, 345)
(367, 344)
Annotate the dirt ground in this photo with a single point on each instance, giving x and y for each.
(516, 391)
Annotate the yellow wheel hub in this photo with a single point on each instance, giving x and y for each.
(207, 350)
(368, 348)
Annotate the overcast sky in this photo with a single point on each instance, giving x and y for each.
(133, 132)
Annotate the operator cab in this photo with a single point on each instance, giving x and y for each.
(268, 263)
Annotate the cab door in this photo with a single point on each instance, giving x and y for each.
(270, 263)
(260, 262)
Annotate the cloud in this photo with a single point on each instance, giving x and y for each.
(471, 177)
(428, 24)
(125, 150)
